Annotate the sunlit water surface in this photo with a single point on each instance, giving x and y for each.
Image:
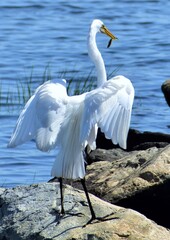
(39, 35)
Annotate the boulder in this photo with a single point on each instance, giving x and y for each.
(166, 91)
(139, 180)
(32, 213)
(136, 140)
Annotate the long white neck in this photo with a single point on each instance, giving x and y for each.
(96, 57)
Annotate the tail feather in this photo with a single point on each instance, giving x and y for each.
(70, 168)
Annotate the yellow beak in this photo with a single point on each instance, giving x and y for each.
(106, 31)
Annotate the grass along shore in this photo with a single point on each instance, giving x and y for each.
(16, 95)
(13, 96)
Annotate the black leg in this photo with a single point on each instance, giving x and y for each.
(93, 216)
(61, 193)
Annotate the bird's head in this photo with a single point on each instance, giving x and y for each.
(99, 26)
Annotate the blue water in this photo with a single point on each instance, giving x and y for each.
(37, 34)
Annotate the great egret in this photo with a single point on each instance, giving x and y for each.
(54, 119)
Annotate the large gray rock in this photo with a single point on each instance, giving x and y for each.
(32, 213)
(139, 180)
(136, 140)
(166, 91)
(117, 177)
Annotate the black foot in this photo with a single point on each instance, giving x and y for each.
(90, 221)
(95, 219)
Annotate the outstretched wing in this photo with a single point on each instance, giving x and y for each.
(42, 116)
(25, 128)
(110, 107)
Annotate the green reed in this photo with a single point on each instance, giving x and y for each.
(25, 89)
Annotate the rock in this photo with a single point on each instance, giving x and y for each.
(32, 213)
(106, 155)
(166, 91)
(143, 140)
(139, 180)
(136, 140)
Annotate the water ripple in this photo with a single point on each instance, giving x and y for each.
(53, 33)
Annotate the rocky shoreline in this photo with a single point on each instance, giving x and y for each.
(131, 188)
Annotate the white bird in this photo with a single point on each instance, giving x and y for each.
(54, 119)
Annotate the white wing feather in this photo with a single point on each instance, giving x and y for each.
(110, 107)
(25, 129)
(51, 107)
(42, 116)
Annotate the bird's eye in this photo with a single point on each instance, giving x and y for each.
(102, 29)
